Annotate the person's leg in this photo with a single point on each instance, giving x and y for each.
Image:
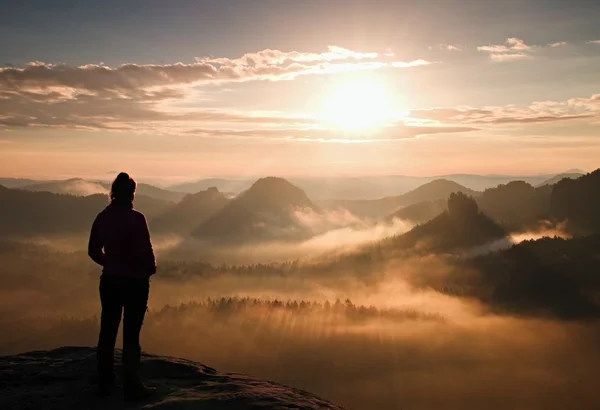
(135, 305)
(110, 298)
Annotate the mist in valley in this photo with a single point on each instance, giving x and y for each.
(390, 338)
(367, 205)
(471, 305)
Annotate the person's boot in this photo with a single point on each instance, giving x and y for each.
(106, 382)
(133, 388)
(105, 372)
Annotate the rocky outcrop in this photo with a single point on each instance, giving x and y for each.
(63, 379)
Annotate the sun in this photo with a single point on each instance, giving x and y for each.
(358, 105)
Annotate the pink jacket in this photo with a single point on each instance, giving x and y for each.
(120, 242)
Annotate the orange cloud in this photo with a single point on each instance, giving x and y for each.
(513, 49)
(138, 97)
(537, 113)
(273, 65)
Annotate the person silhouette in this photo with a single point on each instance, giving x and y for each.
(120, 243)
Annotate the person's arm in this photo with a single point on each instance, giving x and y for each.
(95, 245)
(147, 252)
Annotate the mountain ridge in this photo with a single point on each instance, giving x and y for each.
(84, 187)
(418, 213)
(31, 212)
(190, 212)
(380, 208)
(264, 211)
(341, 187)
(571, 174)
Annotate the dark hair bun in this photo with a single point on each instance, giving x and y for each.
(123, 176)
(123, 188)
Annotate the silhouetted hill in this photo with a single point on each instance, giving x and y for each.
(330, 188)
(420, 212)
(379, 208)
(335, 188)
(462, 226)
(516, 205)
(264, 211)
(153, 192)
(438, 189)
(31, 213)
(453, 233)
(59, 379)
(557, 178)
(222, 184)
(190, 212)
(578, 202)
(327, 188)
(546, 277)
(481, 182)
(17, 182)
(74, 186)
(82, 187)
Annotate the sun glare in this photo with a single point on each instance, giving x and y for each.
(359, 105)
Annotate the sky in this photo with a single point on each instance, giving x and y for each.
(181, 90)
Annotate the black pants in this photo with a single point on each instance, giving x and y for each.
(118, 294)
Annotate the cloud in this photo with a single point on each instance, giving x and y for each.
(508, 57)
(591, 104)
(448, 47)
(269, 57)
(511, 44)
(273, 65)
(516, 49)
(513, 49)
(398, 132)
(536, 119)
(517, 44)
(138, 97)
(594, 42)
(142, 114)
(414, 63)
(536, 113)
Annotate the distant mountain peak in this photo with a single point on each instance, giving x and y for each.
(263, 211)
(441, 182)
(436, 189)
(431, 191)
(574, 171)
(212, 191)
(278, 191)
(460, 227)
(274, 183)
(192, 210)
(571, 174)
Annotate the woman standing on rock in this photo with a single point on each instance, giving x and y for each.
(120, 243)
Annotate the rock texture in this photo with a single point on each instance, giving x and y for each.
(63, 379)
